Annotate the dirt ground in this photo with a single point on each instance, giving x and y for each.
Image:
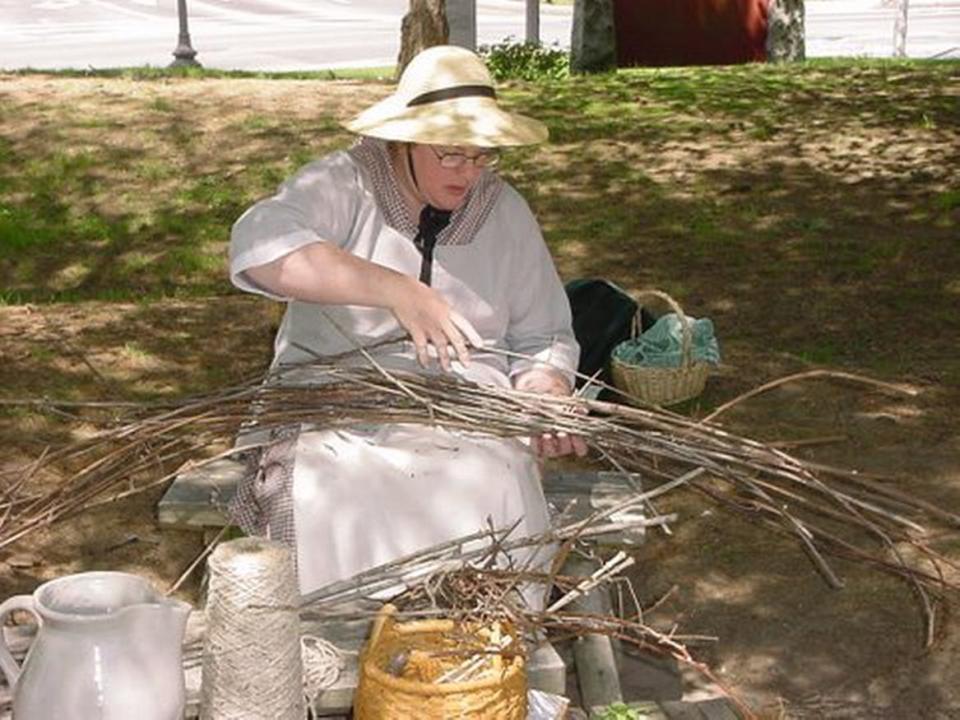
(784, 642)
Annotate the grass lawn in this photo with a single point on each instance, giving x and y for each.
(822, 179)
(811, 210)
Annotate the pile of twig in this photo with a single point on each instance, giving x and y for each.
(483, 587)
(484, 596)
(827, 510)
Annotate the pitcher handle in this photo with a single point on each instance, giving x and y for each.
(9, 666)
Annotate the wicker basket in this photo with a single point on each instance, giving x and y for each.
(381, 695)
(658, 385)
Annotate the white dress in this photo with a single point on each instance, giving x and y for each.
(366, 496)
(391, 490)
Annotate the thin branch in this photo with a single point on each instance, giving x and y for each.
(807, 376)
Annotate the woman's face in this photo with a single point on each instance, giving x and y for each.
(445, 173)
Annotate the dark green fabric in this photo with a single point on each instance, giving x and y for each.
(602, 317)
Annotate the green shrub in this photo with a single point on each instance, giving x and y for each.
(619, 711)
(511, 60)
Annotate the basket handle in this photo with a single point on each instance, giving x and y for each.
(686, 342)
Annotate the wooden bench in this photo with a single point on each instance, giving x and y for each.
(199, 497)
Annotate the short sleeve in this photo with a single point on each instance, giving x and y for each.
(540, 324)
(320, 203)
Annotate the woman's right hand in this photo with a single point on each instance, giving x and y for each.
(324, 273)
(433, 325)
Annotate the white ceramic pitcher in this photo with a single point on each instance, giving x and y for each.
(108, 648)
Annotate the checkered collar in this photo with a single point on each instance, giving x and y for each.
(373, 157)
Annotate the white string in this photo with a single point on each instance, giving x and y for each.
(322, 664)
(252, 667)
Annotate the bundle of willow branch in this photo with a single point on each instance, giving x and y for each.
(479, 549)
(483, 587)
(827, 510)
(484, 596)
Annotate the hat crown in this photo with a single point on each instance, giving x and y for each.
(439, 68)
(446, 97)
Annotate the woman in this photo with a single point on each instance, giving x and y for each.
(407, 233)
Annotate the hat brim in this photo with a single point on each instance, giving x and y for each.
(476, 121)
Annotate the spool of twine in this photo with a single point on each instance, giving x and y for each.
(252, 666)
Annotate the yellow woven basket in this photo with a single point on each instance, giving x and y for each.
(659, 385)
(498, 693)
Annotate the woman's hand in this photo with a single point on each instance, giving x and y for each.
(549, 382)
(433, 325)
(324, 273)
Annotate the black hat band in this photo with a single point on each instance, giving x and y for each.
(451, 93)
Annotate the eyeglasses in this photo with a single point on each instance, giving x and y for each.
(455, 160)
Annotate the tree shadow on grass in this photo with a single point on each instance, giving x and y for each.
(842, 273)
(653, 105)
(144, 210)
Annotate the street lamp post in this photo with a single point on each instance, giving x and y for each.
(184, 53)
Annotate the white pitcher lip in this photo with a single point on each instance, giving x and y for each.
(151, 597)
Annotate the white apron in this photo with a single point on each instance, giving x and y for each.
(365, 497)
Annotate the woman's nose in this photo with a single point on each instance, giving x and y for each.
(470, 170)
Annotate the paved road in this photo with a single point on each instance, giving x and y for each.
(237, 34)
(317, 34)
(847, 28)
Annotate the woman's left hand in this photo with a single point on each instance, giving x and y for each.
(548, 382)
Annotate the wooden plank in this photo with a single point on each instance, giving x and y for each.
(710, 709)
(577, 494)
(579, 481)
(653, 676)
(593, 655)
(546, 670)
(198, 497)
(718, 709)
(679, 710)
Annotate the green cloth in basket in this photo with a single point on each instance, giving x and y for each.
(662, 344)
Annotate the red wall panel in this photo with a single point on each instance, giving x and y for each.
(690, 32)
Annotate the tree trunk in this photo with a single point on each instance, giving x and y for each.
(785, 31)
(593, 44)
(424, 25)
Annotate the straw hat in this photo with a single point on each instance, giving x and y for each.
(446, 97)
